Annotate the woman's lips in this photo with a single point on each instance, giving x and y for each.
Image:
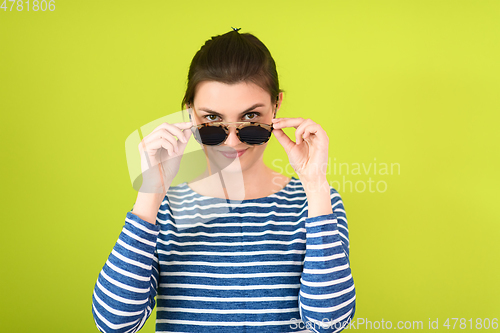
(235, 154)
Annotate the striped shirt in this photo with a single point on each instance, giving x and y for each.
(210, 266)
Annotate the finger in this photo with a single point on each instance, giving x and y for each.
(174, 129)
(167, 145)
(307, 127)
(278, 119)
(288, 122)
(163, 133)
(283, 139)
(153, 146)
(177, 129)
(187, 134)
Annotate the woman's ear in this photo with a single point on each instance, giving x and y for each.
(189, 110)
(279, 100)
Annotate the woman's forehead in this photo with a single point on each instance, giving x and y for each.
(212, 94)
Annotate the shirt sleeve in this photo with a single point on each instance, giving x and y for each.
(125, 291)
(327, 294)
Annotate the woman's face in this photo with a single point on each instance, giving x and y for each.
(219, 102)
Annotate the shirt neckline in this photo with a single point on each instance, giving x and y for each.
(196, 194)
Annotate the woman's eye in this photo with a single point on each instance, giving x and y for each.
(253, 113)
(250, 116)
(210, 115)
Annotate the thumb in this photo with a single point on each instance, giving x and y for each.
(283, 139)
(187, 134)
(182, 145)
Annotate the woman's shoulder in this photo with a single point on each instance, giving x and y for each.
(175, 193)
(178, 191)
(295, 185)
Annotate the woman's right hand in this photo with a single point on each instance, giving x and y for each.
(161, 155)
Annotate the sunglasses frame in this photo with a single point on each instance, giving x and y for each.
(242, 124)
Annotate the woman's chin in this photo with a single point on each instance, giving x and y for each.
(227, 165)
(230, 166)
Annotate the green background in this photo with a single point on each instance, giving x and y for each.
(414, 83)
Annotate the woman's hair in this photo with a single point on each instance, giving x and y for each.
(233, 58)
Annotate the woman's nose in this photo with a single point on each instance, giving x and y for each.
(232, 139)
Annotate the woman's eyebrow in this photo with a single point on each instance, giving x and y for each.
(220, 115)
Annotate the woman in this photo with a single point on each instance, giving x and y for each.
(275, 259)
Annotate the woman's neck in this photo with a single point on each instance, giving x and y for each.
(258, 183)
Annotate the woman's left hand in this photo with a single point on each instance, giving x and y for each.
(309, 154)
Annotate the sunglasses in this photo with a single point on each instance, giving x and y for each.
(215, 133)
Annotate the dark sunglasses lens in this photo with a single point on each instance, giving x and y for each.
(254, 135)
(210, 135)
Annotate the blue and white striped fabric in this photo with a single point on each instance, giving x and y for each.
(262, 266)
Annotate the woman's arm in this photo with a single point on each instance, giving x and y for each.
(327, 294)
(125, 291)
